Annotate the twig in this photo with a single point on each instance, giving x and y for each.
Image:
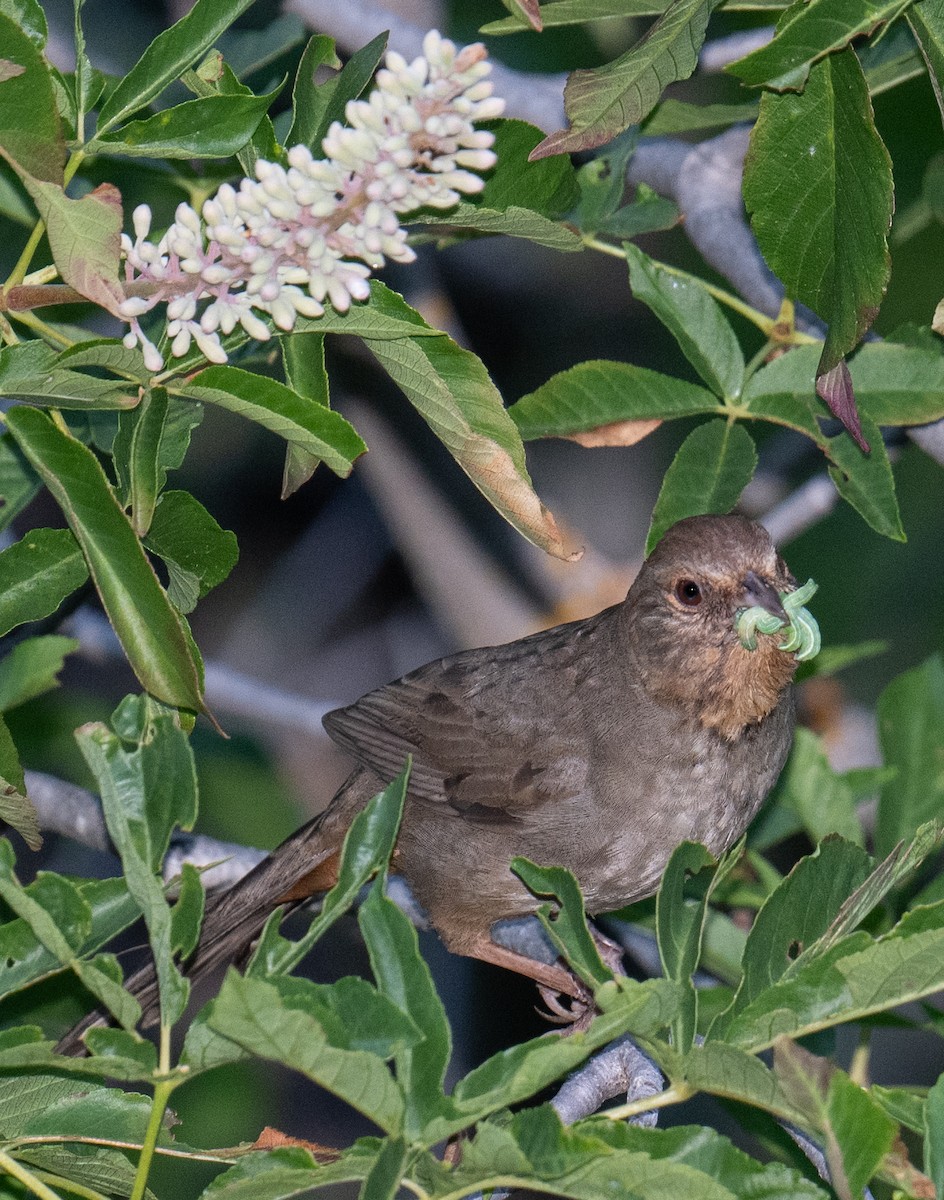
(721, 52)
(535, 98)
(227, 691)
(620, 1069)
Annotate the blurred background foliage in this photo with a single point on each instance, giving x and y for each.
(337, 590)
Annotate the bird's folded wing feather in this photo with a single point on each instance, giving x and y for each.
(460, 720)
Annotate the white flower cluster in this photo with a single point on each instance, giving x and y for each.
(282, 243)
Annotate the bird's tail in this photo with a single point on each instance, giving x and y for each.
(305, 865)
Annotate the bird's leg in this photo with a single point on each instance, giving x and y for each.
(553, 976)
(611, 952)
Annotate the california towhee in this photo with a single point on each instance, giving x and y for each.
(598, 746)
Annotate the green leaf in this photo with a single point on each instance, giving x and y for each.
(48, 1104)
(109, 353)
(712, 467)
(794, 916)
(927, 25)
(557, 13)
(167, 57)
(61, 937)
(515, 1074)
(147, 423)
(84, 237)
(701, 1148)
(290, 1170)
(367, 848)
(36, 575)
(598, 393)
(310, 426)
(782, 392)
(806, 33)
(452, 391)
(520, 198)
(119, 1044)
(897, 384)
(208, 127)
(28, 16)
(833, 659)
(88, 82)
(404, 978)
(911, 732)
(147, 781)
(902, 1105)
(693, 318)
(19, 483)
(16, 809)
(303, 361)
(103, 1172)
(676, 116)
(383, 1182)
(856, 1131)
(866, 480)
(30, 133)
(310, 101)
(214, 77)
(260, 51)
(532, 1150)
(680, 925)
(602, 181)
(647, 213)
(818, 185)
(567, 924)
(103, 909)
(890, 872)
(198, 554)
(934, 1136)
(255, 1014)
(315, 107)
(150, 631)
(545, 187)
(31, 668)
(820, 797)
(186, 916)
(30, 372)
(603, 101)
(855, 978)
(513, 221)
(180, 419)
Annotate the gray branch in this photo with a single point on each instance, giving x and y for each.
(620, 1070)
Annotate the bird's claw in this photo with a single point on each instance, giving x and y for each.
(575, 1015)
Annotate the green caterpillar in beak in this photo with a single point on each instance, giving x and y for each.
(804, 637)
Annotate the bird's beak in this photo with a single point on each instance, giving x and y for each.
(757, 591)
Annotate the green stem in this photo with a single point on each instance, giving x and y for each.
(18, 273)
(27, 1178)
(758, 360)
(162, 1094)
(38, 325)
(69, 1185)
(672, 1095)
(764, 323)
(7, 332)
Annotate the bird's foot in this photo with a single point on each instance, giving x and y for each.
(573, 1012)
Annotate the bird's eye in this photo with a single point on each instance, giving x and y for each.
(688, 593)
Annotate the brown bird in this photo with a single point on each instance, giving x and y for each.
(598, 745)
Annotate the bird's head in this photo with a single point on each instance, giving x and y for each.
(713, 625)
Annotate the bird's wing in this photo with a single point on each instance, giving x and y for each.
(493, 733)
